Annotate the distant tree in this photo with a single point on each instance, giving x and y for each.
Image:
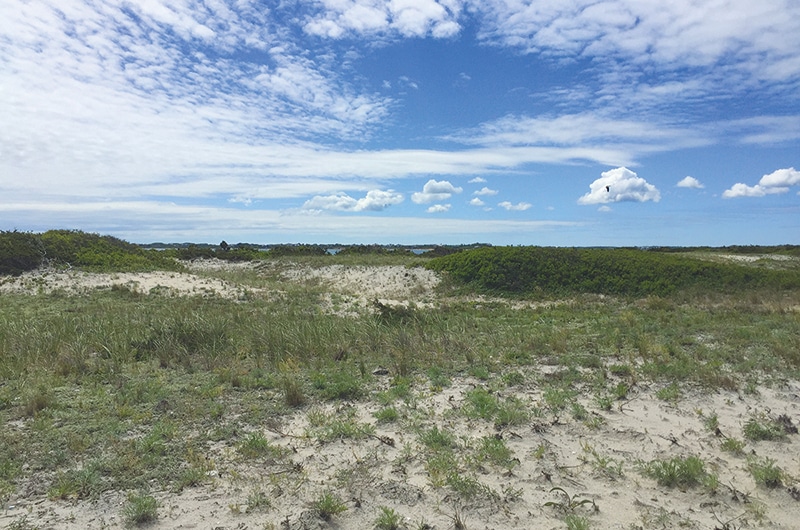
(224, 246)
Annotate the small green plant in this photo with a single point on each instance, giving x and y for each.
(293, 393)
(603, 464)
(604, 402)
(480, 403)
(255, 445)
(761, 427)
(576, 522)
(328, 505)
(388, 519)
(766, 473)
(494, 450)
(621, 391)
(511, 411)
(436, 439)
(387, 415)
(557, 399)
(678, 472)
(732, 445)
(568, 503)
(258, 500)
(140, 509)
(513, 379)
(671, 392)
(579, 412)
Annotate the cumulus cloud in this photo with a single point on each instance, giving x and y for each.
(778, 181)
(435, 191)
(375, 200)
(476, 202)
(485, 191)
(438, 208)
(477, 180)
(519, 207)
(620, 184)
(690, 182)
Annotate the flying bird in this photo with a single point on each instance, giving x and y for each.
(608, 188)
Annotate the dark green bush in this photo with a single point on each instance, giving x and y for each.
(19, 252)
(26, 251)
(624, 271)
(297, 250)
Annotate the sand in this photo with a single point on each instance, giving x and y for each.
(595, 461)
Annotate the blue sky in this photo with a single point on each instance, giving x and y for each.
(573, 123)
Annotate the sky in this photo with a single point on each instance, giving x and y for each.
(509, 122)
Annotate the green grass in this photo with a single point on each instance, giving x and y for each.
(761, 427)
(679, 472)
(328, 505)
(140, 509)
(766, 473)
(388, 519)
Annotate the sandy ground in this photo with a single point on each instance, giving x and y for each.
(596, 459)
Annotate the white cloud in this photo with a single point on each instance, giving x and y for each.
(690, 182)
(477, 180)
(605, 209)
(438, 208)
(435, 191)
(781, 177)
(408, 18)
(485, 191)
(620, 184)
(755, 40)
(776, 182)
(519, 207)
(375, 200)
(476, 202)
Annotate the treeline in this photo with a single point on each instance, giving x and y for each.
(24, 251)
(635, 272)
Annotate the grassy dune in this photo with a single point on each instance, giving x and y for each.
(126, 405)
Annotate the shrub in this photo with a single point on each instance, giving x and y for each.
(19, 252)
(621, 271)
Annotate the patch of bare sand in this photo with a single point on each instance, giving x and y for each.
(159, 282)
(355, 287)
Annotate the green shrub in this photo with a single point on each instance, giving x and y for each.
(19, 252)
(623, 271)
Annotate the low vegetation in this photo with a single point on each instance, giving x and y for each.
(116, 391)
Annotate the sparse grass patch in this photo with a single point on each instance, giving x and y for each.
(576, 522)
(732, 445)
(765, 472)
(436, 439)
(678, 472)
(343, 425)
(761, 427)
(256, 445)
(329, 504)
(671, 392)
(140, 509)
(388, 519)
(387, 415)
